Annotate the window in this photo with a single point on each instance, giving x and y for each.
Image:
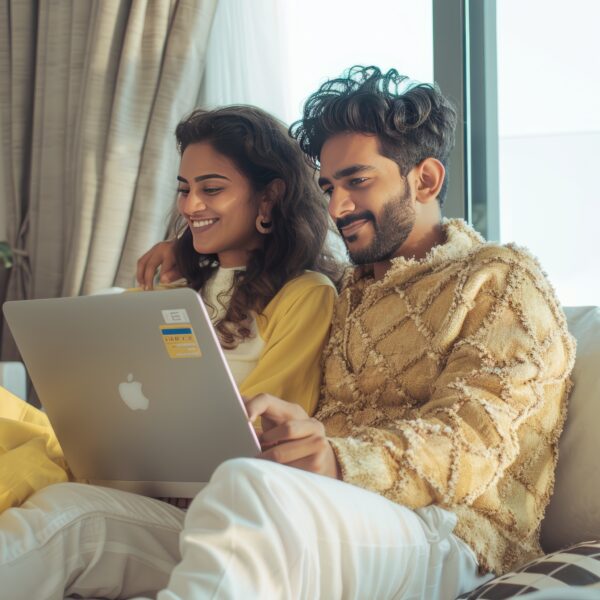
(549, 138)
(326, 37)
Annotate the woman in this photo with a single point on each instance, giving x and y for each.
(252, 241)
(252, 222)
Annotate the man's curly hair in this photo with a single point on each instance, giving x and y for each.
(412, 121)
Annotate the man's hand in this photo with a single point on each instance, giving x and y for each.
(160, 255)
(290, 437)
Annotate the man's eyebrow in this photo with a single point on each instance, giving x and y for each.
(346, 172)
(203, 177)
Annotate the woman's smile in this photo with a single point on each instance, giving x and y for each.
(201, 225)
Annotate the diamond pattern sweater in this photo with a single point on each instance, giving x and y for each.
(446, 383)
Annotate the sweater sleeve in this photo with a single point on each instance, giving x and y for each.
(511, 360)
(295, 327)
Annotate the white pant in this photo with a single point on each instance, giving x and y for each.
(258, 530)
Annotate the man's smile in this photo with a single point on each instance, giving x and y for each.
(353, 228)
(350, 225)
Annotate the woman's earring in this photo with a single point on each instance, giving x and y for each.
(263, 227)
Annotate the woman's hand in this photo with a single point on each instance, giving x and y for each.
(290, 437)
(160, 255)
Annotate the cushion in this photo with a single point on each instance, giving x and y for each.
(577, 566)
(573, 513)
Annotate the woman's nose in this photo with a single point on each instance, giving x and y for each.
(192, 203)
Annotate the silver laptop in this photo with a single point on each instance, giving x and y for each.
(136, 387)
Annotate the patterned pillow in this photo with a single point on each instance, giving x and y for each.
(578, 565)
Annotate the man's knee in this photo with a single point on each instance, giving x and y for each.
(250, 475)
(245, 468)
(59, 495)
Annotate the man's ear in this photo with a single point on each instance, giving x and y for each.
(429, 176)
(273, 194)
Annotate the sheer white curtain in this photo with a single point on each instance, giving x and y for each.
(246, 58)
(274, 53)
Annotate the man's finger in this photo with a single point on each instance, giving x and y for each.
(273, 408)
(141, 265)
(293, 451)
(152, 265)
(169, 273)
(146, 268)
(291, 430)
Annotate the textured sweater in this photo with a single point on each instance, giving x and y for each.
(446, 383)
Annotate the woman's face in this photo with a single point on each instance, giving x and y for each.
(219, 205)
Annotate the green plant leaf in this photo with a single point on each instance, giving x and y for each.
(6, 255)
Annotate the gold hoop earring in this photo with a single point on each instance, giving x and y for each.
(263, 227)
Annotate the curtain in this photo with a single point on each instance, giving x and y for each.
(248, 43)
(90, 93)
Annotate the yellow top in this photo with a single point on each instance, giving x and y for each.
(294, 327)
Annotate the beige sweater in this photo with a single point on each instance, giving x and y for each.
(446, 383)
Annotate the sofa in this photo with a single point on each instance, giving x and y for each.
(570, 531)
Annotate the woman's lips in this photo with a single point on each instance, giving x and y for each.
(201, 225)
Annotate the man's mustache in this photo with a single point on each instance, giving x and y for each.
(345, 221)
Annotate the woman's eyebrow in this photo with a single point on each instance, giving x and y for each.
(203, 177)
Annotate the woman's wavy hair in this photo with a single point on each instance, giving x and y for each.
(412, 121)
(261, 148)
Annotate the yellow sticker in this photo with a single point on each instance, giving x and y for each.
(180, 341)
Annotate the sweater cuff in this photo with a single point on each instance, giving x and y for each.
(364, 464)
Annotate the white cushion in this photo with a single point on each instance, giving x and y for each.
(573, 514)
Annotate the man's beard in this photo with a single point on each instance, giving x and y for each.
(392, 228)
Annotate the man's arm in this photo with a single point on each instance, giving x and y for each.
(290, 437)
(161, 256)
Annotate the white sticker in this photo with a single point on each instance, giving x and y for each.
(175, 315)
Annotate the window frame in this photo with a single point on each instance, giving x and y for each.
(465, 68)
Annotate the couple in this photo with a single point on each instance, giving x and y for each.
(430, 458)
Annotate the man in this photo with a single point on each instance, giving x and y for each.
(431, 458)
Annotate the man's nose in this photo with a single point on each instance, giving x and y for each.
(340, 203)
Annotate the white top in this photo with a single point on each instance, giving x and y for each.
(217, 294)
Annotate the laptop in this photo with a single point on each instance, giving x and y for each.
(136, 387)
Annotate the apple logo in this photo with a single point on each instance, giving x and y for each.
(131, 393)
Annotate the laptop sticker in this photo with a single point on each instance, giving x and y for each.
(180, 341)
(175, 315)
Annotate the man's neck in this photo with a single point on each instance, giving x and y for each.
(416, 246)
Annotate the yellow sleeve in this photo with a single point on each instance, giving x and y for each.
(295, 326)
(30, 455)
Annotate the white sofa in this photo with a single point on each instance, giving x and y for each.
(573, 514)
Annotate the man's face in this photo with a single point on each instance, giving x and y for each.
(369, 201)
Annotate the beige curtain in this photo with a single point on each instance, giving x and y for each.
(90, 93)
